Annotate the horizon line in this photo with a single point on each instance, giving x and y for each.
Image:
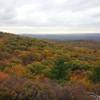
(49, 30)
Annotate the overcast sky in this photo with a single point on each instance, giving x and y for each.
(45, 16)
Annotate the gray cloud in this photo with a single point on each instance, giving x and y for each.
(50, 13)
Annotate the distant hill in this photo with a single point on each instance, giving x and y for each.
(89, 36)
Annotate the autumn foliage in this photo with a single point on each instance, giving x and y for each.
(40, 69)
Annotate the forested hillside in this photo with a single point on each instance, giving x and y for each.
(41, 69)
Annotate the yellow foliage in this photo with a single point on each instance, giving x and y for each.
(17, 70)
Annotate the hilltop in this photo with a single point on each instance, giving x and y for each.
(43, 69)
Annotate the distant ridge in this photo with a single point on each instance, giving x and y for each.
(88, 36)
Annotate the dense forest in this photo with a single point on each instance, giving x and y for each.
(41, 69)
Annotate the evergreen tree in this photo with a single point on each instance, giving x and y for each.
(59, 71)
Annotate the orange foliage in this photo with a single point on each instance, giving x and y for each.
(3, 75)
(80, 77)
(18, 70)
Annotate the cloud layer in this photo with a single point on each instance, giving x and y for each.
(67, 13)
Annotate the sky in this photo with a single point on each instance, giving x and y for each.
(50, 16)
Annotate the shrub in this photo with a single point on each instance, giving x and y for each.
(59, 71)
(36, 68)
(95, 76)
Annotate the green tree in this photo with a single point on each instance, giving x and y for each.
(95, 77)
(59, 71)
